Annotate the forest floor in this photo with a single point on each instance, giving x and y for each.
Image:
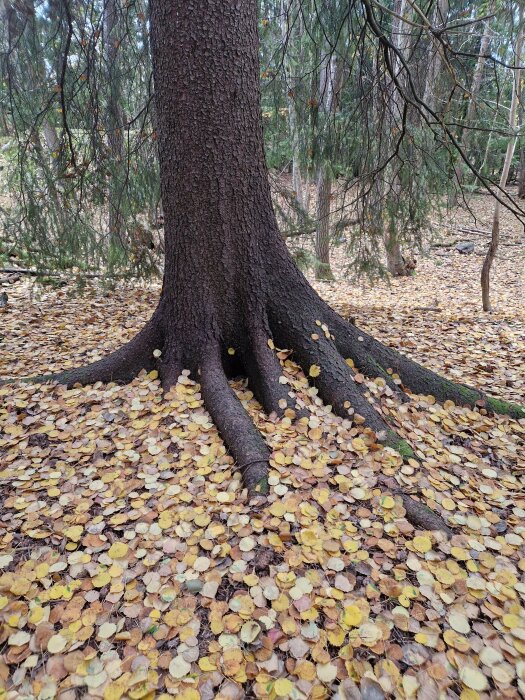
(132, 564)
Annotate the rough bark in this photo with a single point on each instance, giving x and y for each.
(230, 284)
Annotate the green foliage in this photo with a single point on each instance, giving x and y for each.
(78, 140)
(61, 168)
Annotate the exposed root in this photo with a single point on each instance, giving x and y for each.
(369, 355)
(170, 369)
(397, 443)
(338, 388)
(324, 348)
(120, 366)
(264, 371)
(423, 517)
(418, 514)
(245, 442)
(335, 379)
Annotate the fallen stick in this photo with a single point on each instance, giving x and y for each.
(40, 273)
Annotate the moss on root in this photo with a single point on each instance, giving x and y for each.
(505, 408)
(262, 487)
(401, 446)
(468, 395)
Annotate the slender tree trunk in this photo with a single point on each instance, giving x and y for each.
(329, 87)
(231, 291)
(394, 108)
(439, 20)
(521, 178)
(114, 126)
(291, 29)
(477, 78)
(511, 146)
(323, 270)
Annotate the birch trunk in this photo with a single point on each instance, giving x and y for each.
(476, 78)
(495, 235)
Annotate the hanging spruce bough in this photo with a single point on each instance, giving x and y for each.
(229, 280)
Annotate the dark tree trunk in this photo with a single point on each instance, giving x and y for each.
(230, 284)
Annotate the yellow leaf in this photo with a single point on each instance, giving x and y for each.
(118, 550)
(314, 371)
(282, 687)
(473, 678)
(56, 644)
(206, 664)
(387, 502)
(422, 544)
(100, 580)
(74, 532)
(352, 616)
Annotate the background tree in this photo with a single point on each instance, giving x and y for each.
(513, 115)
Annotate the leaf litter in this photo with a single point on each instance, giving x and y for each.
(133, 565)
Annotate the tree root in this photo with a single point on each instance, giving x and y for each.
(417, 513)
(337, 386)
(264, 372)
(120, 366)
(246, 443)
(422, 517)
(369, 354)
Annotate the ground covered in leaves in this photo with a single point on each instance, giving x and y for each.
(133, 566)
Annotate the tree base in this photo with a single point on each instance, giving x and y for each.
(331, 352)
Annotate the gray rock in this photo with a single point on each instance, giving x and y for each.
(465, 247)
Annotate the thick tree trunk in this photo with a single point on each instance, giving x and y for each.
(230, 285)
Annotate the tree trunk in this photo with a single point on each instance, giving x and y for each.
(323, 270)
(394, 109)
(476, 78)
(291, 35)
(114, 126)
(395, 262)
(511, 146)
(329, 87)
(521, 178)
(231, 291)
(435, 58)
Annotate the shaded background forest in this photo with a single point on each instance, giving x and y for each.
(379, 117)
